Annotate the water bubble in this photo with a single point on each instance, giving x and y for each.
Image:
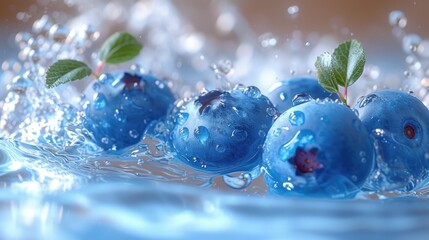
(293, 10)
(202, 134)
(297, 118)
(301, 98)
(237, 182)
(182, 117)
(239, 134)
(220, 148)
(267, 40)
(397, 19)
(271, 111)
(252, 92)
(411, 42)
(99, 101)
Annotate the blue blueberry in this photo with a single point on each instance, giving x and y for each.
(318, 149)
(399, 122)
(121, 106)
(282, 93)
(223, 131)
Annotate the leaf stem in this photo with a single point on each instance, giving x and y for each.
(343, 98)
(99, 68)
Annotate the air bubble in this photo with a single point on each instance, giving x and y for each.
(252, 92)
(297, 118)
(184, 133)
(202, 134)
(239, 134)
(100, 101)
(397, 19)
(301, 98)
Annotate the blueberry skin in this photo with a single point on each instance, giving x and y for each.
(399, 122)
(282, 93)
(223, 131)
(121, 105)
(318, 149)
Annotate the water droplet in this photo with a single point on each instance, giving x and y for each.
(354, 178)
(378, 132)
(20, 84)
(261, 133)
(367, 100)
(297, 118)
(42, 25)
(34, 55)
(301, 98)
(283, 96)
(133, 133)
(96, 87)
(427, 156)
(288, 185)
(397, 19)
(105, 140)
(120, 115)
(237, 182)
(182, 117)
(99, 101)
(239, 134)
(277, 132)
(267, 40)
(202, 134)
(252, 92)
(220, 148)
(271, 111)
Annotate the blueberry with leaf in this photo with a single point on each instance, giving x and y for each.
(321, 148)
(120, 105)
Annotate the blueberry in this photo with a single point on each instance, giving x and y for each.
(399, 122)
(121, 106)
(282, 93)
(223, 131)
(318, 149)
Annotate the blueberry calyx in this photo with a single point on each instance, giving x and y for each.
(132, 81)
(305, 161)
(207, 98)
(409, 131)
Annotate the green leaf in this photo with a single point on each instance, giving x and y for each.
(348, 61)
(325, 74)
(120, 47)
(64, 71)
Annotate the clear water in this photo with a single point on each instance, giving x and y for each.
(59, 185)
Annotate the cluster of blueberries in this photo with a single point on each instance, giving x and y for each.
(304, 139)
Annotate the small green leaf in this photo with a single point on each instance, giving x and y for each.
(64, 71)
(325, 74)
(348, 61)
(120, 47)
